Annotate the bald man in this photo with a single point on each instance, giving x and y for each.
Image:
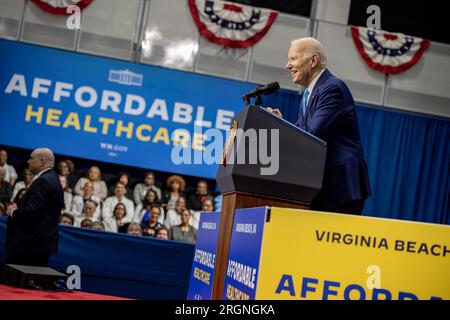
(32, 231)
(327, 111)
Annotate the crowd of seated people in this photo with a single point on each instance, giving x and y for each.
(125, 204)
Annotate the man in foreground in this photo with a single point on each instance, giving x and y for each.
(32, 230)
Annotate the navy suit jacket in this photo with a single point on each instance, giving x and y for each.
(330, 115)
(33, 229)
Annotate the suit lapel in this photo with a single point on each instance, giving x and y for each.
(309, 109)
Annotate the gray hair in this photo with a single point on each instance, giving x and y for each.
(47, 155)
(312, 47)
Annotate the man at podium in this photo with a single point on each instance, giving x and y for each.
(327, 111)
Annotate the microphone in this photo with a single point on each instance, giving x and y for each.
(267, 89)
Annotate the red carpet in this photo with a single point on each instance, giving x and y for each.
(12, 293)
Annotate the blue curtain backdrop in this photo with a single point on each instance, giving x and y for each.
(408, 156)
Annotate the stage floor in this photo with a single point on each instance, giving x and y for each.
(13, 293)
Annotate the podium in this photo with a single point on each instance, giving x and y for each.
(291, 179)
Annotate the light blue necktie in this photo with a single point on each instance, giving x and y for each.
(305, 100)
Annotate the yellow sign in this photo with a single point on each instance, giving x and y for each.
(315, 255)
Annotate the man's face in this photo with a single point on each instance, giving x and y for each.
(299, 65)
(35, 163)
(3, 157)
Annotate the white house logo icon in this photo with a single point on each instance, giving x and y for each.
(126, 77)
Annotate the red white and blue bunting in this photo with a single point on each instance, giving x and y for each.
(389, 53)
(231, 25)
(59, 7)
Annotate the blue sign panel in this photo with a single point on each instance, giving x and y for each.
(113, 111)
(203, 265)
(244, 255)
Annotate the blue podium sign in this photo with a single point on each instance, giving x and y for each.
(244, 255)
(202, 272)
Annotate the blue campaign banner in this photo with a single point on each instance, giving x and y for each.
(203, 265)
(244, 255)
(114, 111)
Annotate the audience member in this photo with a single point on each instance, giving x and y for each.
(173, 215)
(66, 219)
(23, 184)
(119, 220)
(208, 205)
(134, 229)
(10, 172)
(86, 223)
(150, 221)
(162, 233)
(125, 179)
(196, 200)
(88, 212)
(94, 176)
(140, 190)
(67, 193)
(184, 232)
(78, 201)
(119, 197)
(97, 225)
(150, 200)
(176, 186)
(5, 187)
(66, 169)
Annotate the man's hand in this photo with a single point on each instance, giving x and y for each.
(275, 112)
(10, 209)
